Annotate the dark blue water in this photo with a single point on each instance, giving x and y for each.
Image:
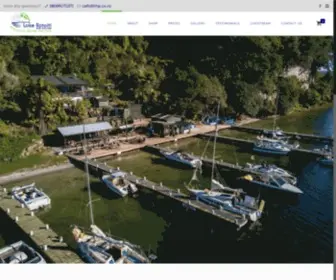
(301, 229)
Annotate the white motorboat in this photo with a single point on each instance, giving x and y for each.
(273, 181)
(31, 197)
(184, 158)
(118, 183)
(19, 253)
(270, 169)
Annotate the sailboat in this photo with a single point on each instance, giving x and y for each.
(223, 197)
(95, 246)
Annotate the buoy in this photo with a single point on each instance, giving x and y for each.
(118, 153)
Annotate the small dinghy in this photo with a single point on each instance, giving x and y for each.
(118, 183)
(31, 197)
(19, 253)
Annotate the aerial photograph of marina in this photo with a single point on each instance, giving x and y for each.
(123, 150)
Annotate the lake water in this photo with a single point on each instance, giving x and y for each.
(292, 230)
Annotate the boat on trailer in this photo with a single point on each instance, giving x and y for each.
(269, 169)
(183, 158)
(97, 247)
(117, 182)
(31, 197)
(20, 253)
(272, 181)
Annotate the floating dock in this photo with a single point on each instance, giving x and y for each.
(205, 161)
(250, 143)
(293, 135)
(98, 169)
(45, 239)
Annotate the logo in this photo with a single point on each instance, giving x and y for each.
(22, 23)
(321, 21)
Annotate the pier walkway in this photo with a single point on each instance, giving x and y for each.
(231, 140)
(45, 239)
(99, 168)
(294, 135)
(205, 161)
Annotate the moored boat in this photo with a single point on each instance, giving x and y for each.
(269, 169)
(97, 247)
(118, 183)
(20, 253)
(31, 197)
(270, 146)
(226, 198)
(183, 158)
(272, 181)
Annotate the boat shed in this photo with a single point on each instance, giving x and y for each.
(165, 125)
(93, 131)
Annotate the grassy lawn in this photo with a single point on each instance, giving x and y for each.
(32, 161)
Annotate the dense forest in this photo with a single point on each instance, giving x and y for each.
(184, 75)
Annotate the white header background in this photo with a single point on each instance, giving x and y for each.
(111, 24)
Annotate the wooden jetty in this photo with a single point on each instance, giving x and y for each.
(52, 246)
(249, 143)
(206, 161)
(294, 135)
(99, 168)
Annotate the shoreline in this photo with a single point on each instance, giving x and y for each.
(28, 173)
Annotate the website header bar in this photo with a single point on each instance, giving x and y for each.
(171, 5)
(166, 23)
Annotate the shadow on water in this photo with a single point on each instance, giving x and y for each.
(163, 161)
(100, 189)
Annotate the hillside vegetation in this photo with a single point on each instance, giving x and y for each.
(184, 75)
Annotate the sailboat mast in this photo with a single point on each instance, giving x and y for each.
(276, 110)
(214, 149)
(87, 176)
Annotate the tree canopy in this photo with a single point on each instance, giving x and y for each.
(185, 75)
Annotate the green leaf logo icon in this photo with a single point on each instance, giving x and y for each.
(25, 16)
